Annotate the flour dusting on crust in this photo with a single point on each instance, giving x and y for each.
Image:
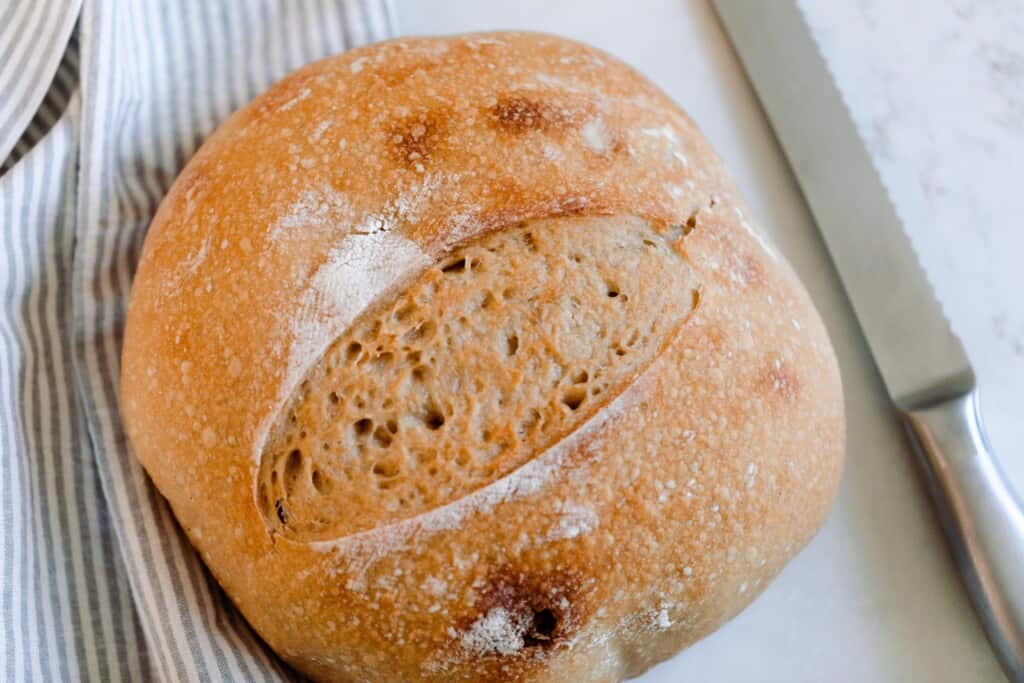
(498, 631)
(575, 520)
(315, 208)
(357, 271)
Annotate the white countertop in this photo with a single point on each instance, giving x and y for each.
(938, 91)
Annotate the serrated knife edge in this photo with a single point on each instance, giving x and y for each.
(919, 357)
(961, 379)
(923, 364)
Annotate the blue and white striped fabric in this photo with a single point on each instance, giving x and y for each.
(101, 104)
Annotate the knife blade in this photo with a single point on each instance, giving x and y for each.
(919, 357)
(923, 365)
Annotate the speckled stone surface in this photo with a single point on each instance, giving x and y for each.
(937, 89)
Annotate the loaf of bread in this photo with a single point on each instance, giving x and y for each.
(459, 359)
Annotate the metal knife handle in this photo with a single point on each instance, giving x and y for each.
(982, 518)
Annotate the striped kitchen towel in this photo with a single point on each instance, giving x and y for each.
(101, 104)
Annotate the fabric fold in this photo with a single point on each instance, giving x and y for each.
(33, 38)
(98, 581)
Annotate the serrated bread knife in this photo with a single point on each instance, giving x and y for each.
(924, 366)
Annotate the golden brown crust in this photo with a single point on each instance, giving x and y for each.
(345, 180)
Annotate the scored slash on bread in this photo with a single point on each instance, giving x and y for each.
(486, 359)
(388, 405)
